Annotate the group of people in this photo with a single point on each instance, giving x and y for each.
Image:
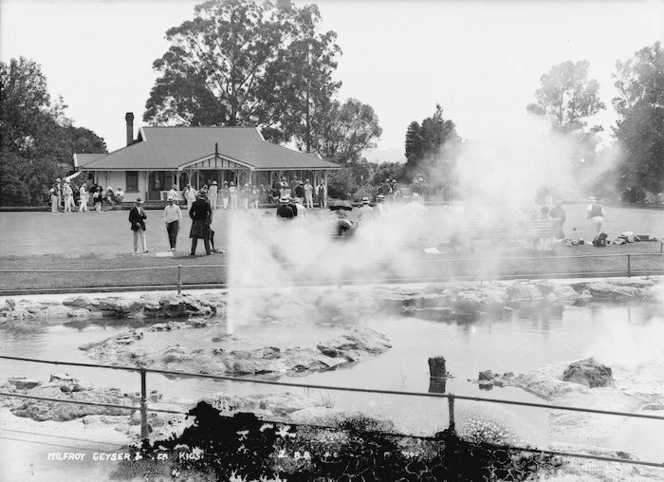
(64, 196)
(200, 212)
(303, 191)
(292, 209)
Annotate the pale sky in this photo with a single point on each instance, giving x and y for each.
(480, 60)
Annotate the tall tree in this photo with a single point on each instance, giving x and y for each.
(345, 131)
(425, 144)
(640, 127)
(38, 140)
(566, 97)
(245, 62)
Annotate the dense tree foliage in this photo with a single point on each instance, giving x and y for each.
(246, 63)
(430, 149)
(346, 130)
(38, 141)
(640, 127)
(566, 97)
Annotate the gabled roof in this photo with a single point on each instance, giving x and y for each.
(81, 160)
(169, 148)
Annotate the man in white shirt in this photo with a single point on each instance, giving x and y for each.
(365, 210)
(83, 199)
(212, 193)
(172, 218)
(595, 212)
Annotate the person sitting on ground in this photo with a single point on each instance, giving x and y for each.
(110, 196)
(119, 195)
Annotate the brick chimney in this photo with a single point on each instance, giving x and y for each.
(129, 118)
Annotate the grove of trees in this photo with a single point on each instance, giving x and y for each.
(640, 126)
(38, 140)
(567, 99)
(270, 65)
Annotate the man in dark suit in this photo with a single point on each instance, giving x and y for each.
(137, 218)
(201, 215)
(284, 211)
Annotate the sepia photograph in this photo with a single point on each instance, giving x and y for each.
(373, 240)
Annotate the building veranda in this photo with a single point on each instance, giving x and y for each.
(163, 157)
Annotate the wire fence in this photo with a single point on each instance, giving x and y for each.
(451, 401)
(430, 270)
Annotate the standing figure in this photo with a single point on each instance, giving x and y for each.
(213, 194)
(299, 192)
(308, 195)
(595, 212)
(559, 217)
(225, 194)
(380, 205)
(68, 193)
(83, 199)
(254, 197)
(244, 196)
(137, 218)
(190, 196)
(365, 211)
(97, 197)
(232, 192)
(284, 190)
(54, 199)
(201, 215)
(172, 218)
(58, 191)
(321, 194)
(174, 192)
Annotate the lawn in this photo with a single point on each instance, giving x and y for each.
(45, 252)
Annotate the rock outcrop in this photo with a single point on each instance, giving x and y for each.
(134, 349)
(589, 373)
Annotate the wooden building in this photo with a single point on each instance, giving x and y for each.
(163, 157)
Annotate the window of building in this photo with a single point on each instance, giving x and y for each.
(132, 182)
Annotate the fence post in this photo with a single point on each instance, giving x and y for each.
(450, 404)
(144, 406)
(179, 279)
(629, 265)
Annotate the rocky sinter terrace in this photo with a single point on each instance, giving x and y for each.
(440, 300)
(170, 320)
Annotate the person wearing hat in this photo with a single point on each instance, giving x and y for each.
(595, 212)
(321, 194)
(68, 193)
(82, 199)
(189, 194)
(284, 211)
(201, 215)
(137, 218)
(308, 195)
(380, 206)
(54, 199)
(365, 210)
(299, 191)
(58, 191)
(213, 194)
(225, 194)
(172, 218)
(232, 192)
(559, 217)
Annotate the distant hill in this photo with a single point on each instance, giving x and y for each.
(385, 155)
